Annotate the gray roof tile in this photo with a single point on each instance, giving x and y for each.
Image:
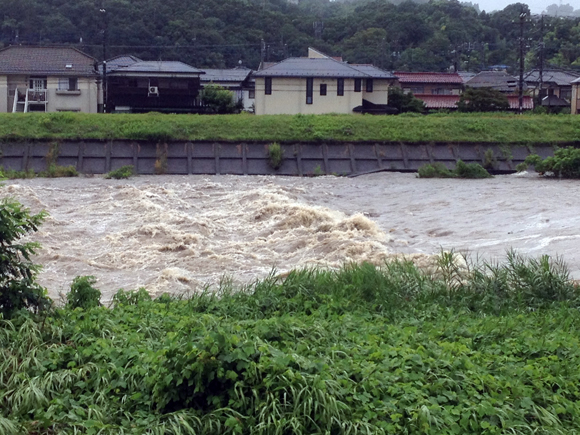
(305, 67)
(225, 75)
(167, 67)
(20, 59)
(372, 71)
(559, 77)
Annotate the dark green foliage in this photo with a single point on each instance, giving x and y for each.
(82, 294)
(482, 100)
(435, 170)
(275, 155)
(405, 102)
(219, 100)
(56, 171)
(18, 287)
(363, 350)
(565, 163)
(123, 172)
(462, 170)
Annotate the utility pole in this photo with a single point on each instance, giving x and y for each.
(105, 37)
(541, 56)
(521, 83)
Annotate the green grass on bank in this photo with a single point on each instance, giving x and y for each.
(358, 351)
(497, 128)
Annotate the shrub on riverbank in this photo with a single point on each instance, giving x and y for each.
(565, 163)
(493, 349)
(462, 170)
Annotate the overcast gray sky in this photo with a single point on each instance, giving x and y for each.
(536, 6)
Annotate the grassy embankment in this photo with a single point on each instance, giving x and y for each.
(359, 351)
(496, 128)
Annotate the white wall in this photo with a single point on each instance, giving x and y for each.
(289, 97)
(4, 95)
(575, 109)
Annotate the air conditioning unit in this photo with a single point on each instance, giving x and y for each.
(153, 91)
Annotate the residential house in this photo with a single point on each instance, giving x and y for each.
(134, 85)
(47, 79)
(238, 80)
(430, 83)
(555, 88)
(498, 80)
(575, 109)
(320, 84)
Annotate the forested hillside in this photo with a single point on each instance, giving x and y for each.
(219, 33)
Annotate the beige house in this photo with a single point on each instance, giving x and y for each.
(320, 84)
(575, 110)
(47, 79)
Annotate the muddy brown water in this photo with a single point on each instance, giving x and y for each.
(179, 233)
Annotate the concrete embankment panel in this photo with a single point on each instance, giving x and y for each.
(181, 157)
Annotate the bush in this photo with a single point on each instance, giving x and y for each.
(18, 287)
(123, 172)
(82, 293)
(405, 102)
(482, 100)
(565, 163)
(275, 155)
(57, 171)
(219, 100)
(462, 170)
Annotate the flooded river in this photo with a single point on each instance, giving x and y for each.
(179, 233)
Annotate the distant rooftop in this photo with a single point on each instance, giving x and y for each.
(372, 71)
(558, 77)
(498, 80)
(21, 59)
(159, 66)
(225, 75)
(428, 77)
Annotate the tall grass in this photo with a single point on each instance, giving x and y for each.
(488, 348)
(496, 128)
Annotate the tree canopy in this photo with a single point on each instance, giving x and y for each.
(398, 35)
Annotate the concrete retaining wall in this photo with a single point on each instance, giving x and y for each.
(179, 157)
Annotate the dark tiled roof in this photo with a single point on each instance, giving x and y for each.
(498, 80)
(372, 71)
(121, 61)
(428, 77)
(167, 67)
(558, 77)
(225, 75)
(305, 67)
(20, 59)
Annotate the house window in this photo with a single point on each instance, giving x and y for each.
(357, 85)
(566, 94)
(417, 90)
(322, 89)
(252, 94)
(68, 84)
(309, 90)
(369, 85)
(440, 91)
(38, 83)
(340, 87)
(268, 85)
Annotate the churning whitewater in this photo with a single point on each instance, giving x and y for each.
(181, 233)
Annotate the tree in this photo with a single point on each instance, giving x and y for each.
(482, 100)
(219, 100)
(405, 102)
(18, 287)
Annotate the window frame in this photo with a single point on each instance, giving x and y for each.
(357, 85)
(323, 89)
(340, 87)
(268, 85)
(369, 85)
(309, 90)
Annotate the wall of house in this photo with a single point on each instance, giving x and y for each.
(575, 99)
(380, 93)
(84, 101)
(4, 94)
(15, 82)
(289, 97)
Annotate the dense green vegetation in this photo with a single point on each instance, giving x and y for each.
(362, 350)
(498, 128)
(461, 170)
(400, 35)
(565, 163)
